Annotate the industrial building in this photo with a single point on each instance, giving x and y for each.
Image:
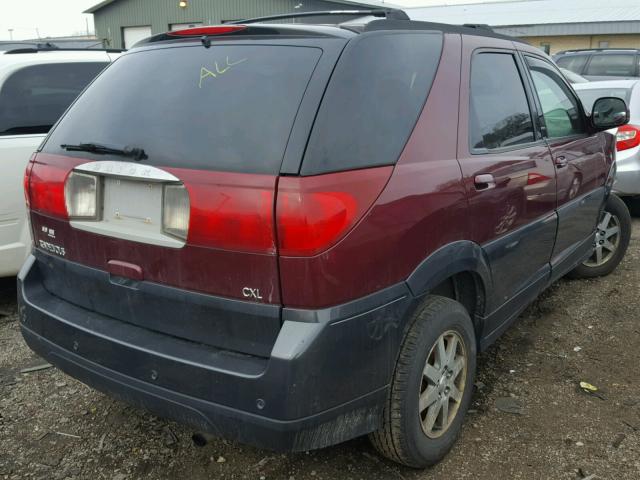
(552, 25)
(121, 23)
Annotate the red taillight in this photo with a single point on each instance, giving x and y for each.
(47, 190)
(213, 30)
(628, 136)
(313, 213)
(231, 211)
(47, 181)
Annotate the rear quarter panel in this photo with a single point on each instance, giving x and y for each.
(422, 208)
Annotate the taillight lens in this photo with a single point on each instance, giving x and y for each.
(175, 211)
(314, 213)
(46, 188)
(628, 136)
(81, 196)
(230, 211)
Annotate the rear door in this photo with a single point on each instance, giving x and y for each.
(578, 158)
(508, 172)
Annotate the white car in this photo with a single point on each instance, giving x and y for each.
(627, 137)
(37, 84)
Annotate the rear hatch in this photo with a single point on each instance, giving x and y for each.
(164, 174)
(196, 185)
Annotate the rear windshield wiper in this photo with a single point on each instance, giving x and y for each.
(130, 152)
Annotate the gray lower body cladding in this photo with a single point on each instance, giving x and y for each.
(322, 384)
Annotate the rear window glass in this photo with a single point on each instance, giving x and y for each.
(590, 96)
(33, 98)
(373, 101)
(617, 65)
(228, 107)
(575, 63)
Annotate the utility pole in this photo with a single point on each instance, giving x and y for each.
(11, 34)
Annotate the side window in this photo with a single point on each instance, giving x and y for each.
(575, 63)
(373, 101)
(562, 115)
(621, 65)
(499, 114)
(33, 98)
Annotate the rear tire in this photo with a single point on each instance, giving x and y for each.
(436, 366)
(605, 260)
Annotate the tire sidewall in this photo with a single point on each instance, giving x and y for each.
(452, 317)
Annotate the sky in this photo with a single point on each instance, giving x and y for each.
(50, 18)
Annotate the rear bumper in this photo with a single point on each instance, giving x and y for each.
(628, 172)
(324, 382)
(627, 183)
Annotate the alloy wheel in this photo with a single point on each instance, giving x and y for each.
(607, 239)
(443, 383)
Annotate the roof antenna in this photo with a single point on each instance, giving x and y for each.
(206, 41)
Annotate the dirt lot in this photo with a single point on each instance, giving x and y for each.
(52, 427)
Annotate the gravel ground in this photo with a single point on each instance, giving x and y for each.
(52, 427)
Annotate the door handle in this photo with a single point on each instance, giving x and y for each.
(561, 161)
(484, 181)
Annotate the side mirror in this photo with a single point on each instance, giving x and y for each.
(609, 112)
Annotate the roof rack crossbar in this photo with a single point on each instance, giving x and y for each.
(390, 13)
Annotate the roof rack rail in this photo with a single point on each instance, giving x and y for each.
(619, 49)
(479, 26)
(49, 47)
(390, 13)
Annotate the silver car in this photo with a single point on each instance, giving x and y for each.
(627, 137)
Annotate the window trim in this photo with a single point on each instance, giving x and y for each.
(540, 114)
(537, 134)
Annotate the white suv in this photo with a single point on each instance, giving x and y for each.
(37, 84)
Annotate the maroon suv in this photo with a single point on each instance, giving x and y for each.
(294, 235)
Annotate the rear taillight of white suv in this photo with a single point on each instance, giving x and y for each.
(628, 136)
